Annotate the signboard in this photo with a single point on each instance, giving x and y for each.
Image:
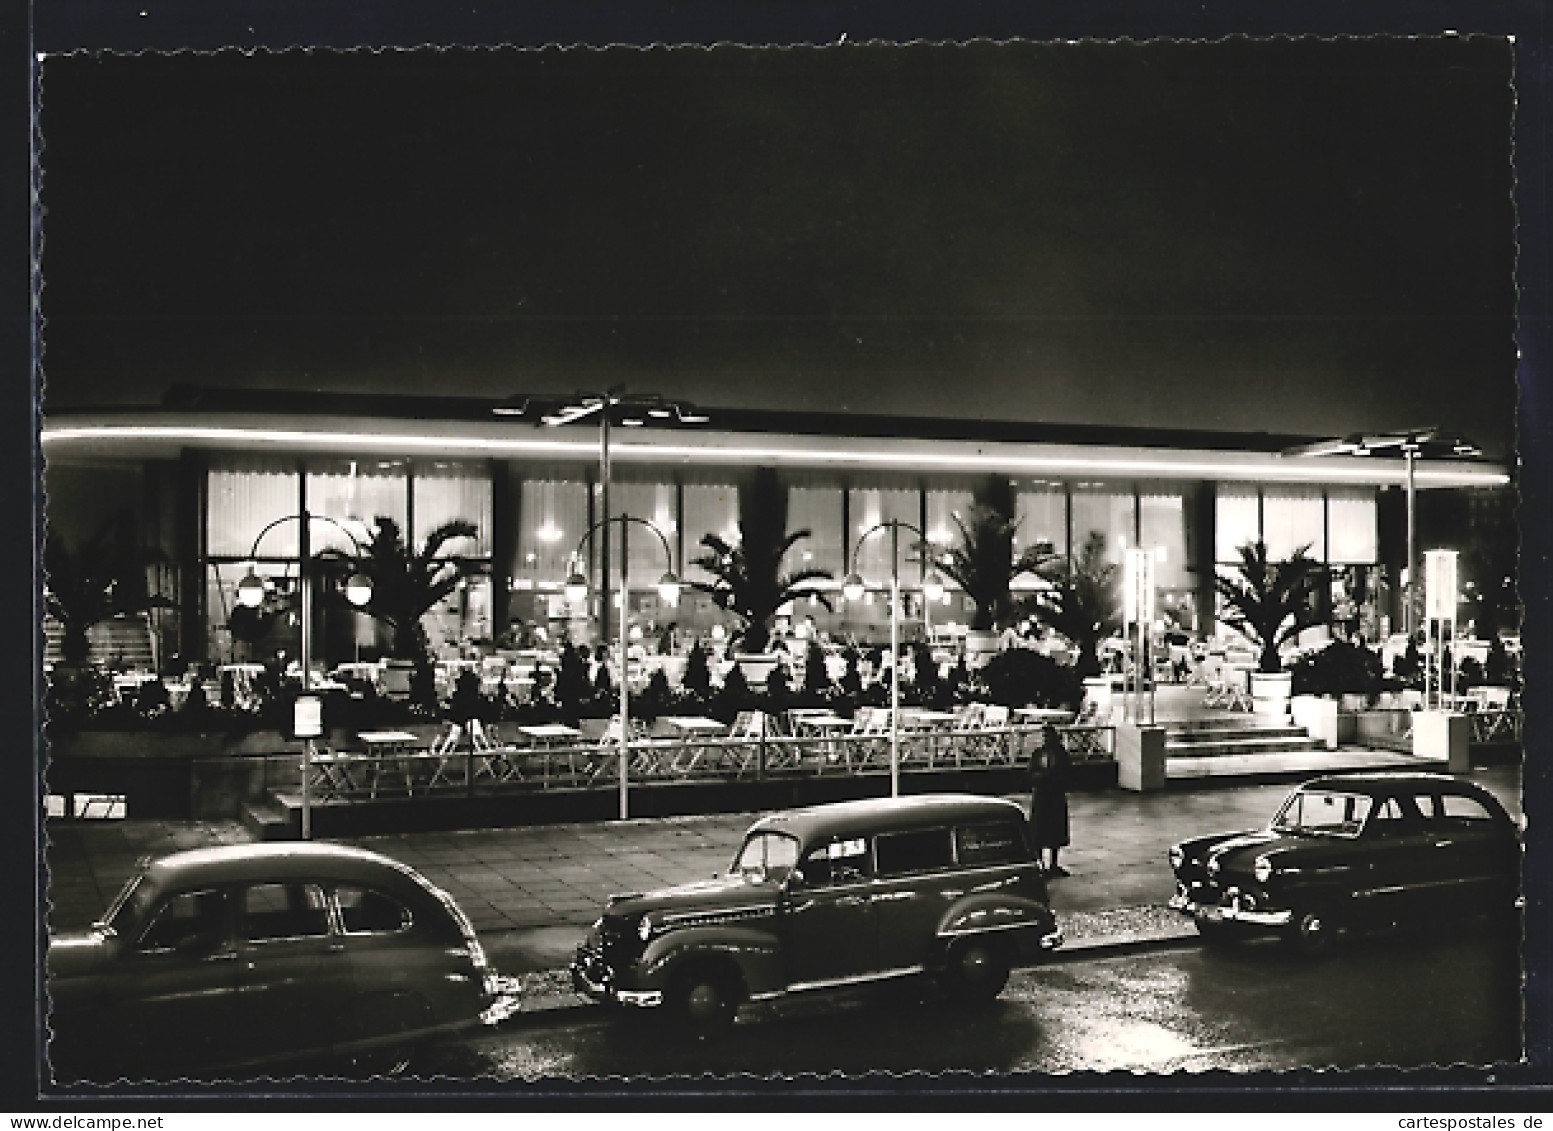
(308, 717)
(1440, 592)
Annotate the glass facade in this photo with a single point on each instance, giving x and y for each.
(549, 509)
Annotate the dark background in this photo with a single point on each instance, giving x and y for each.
(71, 25)
(1283, 234)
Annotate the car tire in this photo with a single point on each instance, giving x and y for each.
(1310, 932)
(976, 972)
(703, 1000)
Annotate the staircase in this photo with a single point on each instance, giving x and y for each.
(1243, 734)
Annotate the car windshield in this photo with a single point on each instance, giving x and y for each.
(130, 905)
(1323, 812)
(766, 857)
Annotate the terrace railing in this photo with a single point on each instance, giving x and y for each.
(351, 776)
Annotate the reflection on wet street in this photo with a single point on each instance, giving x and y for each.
(1386, 999)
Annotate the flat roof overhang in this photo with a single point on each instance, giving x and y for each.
(162, 434)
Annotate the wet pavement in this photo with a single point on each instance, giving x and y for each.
(531, 892)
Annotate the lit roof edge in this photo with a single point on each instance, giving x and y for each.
(159, 431)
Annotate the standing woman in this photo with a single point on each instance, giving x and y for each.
(1049, 767)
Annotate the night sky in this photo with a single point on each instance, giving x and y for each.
(1290, 235)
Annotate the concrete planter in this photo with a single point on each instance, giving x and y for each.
(1097, 691)
(1318, 715)
(981, 644)
(1443, 734)
(1140, 757)
(1270, 694)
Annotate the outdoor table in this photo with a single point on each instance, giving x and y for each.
(922, 717)
(827, 728)
(548, 735)
(690, 727)
(387, 751)
(330, 776)
(1039, 715)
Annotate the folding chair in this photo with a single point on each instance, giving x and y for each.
(443, 754)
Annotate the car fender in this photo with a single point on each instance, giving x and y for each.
(1023, 920)
(757, 954)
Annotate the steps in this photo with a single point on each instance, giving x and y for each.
(1219, 737)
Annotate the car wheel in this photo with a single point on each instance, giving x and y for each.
(1310, 932)
(976, 972)
(704, 1000)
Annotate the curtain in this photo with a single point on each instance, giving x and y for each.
(1107, 508)
(1236, 520)
(552, 516)
(818, 510)
(1293, 517)
(243, 500)
(869, 507)
(444, 492)
(709, 509)
(1162, 517)
(1351, 521)
(1043, 517)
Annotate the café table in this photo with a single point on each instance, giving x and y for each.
(689, 728)
(828, 729)
(388, 751)
(550, 736)
(1042, 715)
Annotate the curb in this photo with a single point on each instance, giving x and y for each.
(546, 997)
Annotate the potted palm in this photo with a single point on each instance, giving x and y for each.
(1080, 604)
(748, 579)
(1270, 602)
(406, 584)
(983, 563)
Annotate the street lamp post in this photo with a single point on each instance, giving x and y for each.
(633, 409)
(251, 593)
(668, 589)
(1412, 444)
(932, 589)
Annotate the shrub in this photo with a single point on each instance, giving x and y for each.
(1019, 677)
(1341, 668)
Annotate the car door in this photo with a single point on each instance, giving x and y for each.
(175, 987)
(295, 976)
(1398, 861)
(915, 881)
(1476, 852)
(827, 915)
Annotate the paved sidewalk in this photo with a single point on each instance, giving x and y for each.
(531, 892)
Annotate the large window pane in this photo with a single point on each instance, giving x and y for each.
(448, 491)
(354, 493)
(871, 506)
(1237, 520)
(1162, 517)
(709, 509)
(244, 498)
(1042, 512)
(1293, 517)
(552, 517)
(654, 503)
(1351, 521)
(1107, 508)
(818, 510)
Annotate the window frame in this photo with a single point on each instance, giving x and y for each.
(240, 908)
(407, 919)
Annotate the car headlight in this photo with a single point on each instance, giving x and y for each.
(644, 928)
(1177, 857)
(1262, 869)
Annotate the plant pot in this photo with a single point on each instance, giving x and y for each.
(1270, 694)
(397, 675)
(756, 666)
(981, 644)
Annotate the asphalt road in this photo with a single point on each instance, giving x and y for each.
(1406, 999)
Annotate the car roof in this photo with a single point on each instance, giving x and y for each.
(1377, 783)
(249, 863)
(882, 814)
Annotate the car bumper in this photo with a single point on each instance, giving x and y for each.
(1233, 910)
(592, 978)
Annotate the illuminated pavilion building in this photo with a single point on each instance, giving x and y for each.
(209, 469)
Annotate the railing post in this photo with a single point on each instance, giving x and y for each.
(760, 754)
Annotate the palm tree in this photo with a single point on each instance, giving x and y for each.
(749, 581)
(406, 584)
(1268, 601)
(1081, 601)
(103, 577)
(984, 565)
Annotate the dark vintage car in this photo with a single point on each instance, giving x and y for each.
(1353, 852)
(246, 957)
(832, 896)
